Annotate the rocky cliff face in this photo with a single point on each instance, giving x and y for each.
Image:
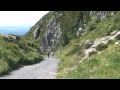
(52, 35)
(58, 28)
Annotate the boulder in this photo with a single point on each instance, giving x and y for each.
(88, 44)
(116, 43)
(103, 40)
(114, 36)
(114, 32)
(89, 52)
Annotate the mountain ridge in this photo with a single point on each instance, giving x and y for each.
(79, 40)
(56, 21)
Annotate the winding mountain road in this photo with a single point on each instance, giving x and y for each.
(47, 69)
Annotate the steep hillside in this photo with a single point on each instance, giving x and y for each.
(87, 42)
(16, 52)
(58, 28)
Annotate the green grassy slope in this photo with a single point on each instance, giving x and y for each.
(104, 64)
(17, 53)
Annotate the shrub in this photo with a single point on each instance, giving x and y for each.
(18, 38)
(30, 58)
(113, 27)
(117, 18)
(14, 55)
(10, 57)
(22, 45)
(97, 20)
(101, 47)
(111, 42)
(88, 44)
(91, 26)
(4, 67)
(118, 37)
(65, 40)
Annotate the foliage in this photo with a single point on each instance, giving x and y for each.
(118, 37)
(101, 47)
(91, 26)
(104, 64)
(15, 54)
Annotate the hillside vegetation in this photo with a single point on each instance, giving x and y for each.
(104, 63)
(87, 42)
(16, 52)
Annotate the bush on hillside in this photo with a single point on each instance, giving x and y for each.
(4, 67)
(65, 40)
(30, 58)
(14, 55)
(117, 18)
(113, 27)
(97, 20)
(101, 47)
(88, 44)
(91, 26)
(111, 42)
(118, 37)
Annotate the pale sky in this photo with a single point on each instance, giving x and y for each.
(20, 18)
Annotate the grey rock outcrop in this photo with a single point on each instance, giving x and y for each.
(92, 49)
(9, 37)
(89, 52)
(114, 36)
(98, 14)
(52, 35)
(36, 32)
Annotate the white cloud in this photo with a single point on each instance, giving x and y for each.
(14, 18)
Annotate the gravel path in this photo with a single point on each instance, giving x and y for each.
(47, 69)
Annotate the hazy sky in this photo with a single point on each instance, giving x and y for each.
(22, 18)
